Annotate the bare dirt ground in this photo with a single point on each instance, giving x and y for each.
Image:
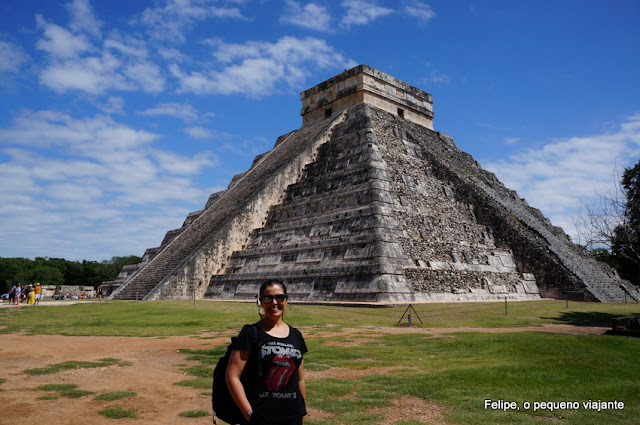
(155, 367)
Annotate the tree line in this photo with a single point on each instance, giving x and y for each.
(58, 271)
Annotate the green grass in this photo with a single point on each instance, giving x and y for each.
(203, 373)
(127, 318)
(410, 423)
(118, 413)
(194, 414)
(116, 395)
(48, 397)
(72, 364)
(198, 383)
(65, 390)
(167, 318)
(462, 372)
(209, 357)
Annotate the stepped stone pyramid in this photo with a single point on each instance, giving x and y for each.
(367, 203)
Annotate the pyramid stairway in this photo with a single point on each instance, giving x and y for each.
(227, 213)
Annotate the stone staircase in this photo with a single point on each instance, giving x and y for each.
(328, 237)
(183, 245)
(603, 284)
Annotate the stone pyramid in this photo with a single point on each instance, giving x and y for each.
(367, 203)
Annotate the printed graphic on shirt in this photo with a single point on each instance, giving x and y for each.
(280, 371)
(282, 364)
(283, 348)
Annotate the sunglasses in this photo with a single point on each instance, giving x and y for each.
(269, 298)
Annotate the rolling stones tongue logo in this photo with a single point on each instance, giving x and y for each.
(280, 371)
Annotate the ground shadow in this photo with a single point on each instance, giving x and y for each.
(578, 318)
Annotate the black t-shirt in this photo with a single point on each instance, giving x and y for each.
(272, 377)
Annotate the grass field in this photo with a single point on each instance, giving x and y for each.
(166, 318)
(459, 371)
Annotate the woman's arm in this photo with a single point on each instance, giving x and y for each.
(301, 381)
(236, 365)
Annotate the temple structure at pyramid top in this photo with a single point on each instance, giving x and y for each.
(364, 84)
(367, 203)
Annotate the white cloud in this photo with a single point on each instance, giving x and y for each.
(419, 10)
(98, 74)
(74, 63)
(52, 129)
(170, 21)
(258, 68)
(182, 165)
(144, 75)
(59, 42)
(201, 133)
(244, 147)
(438, 78)
(183, 111)
(564, 173)
(114, 105)
(362, 12)
(83, 19)
(68, 180)
(171, 54)
(11, 57)
(126, 46)
(92, 75)
(311, 16)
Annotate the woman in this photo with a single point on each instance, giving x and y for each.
(271, 351)
(31, 295)
(18, 292)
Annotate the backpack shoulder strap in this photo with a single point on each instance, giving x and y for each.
(257, 340)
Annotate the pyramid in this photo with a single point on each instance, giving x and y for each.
(367, 203)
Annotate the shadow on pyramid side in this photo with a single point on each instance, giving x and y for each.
(366, 203)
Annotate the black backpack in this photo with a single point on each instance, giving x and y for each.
(224, 407)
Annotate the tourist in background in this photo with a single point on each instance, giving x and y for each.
(17, 294)
(38, 292)
(31, 294)
(12, 294)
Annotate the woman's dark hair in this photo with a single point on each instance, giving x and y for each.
(272, 282)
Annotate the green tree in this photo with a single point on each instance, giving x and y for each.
(58, 271)
(626, 238)
(74, 274)
(610, 227)
(114, 266)
(45, 274)
(9, 270)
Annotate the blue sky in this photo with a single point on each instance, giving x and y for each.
(118, 118)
